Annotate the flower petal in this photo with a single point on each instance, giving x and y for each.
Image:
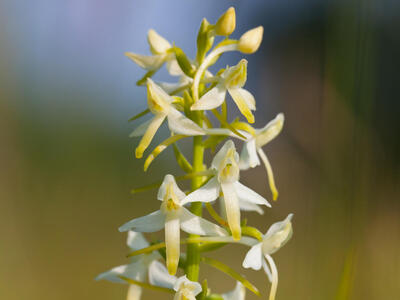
(134, 292)
(221, 154)
(180, 124)
(158, 44)
(173, 67)
(277, 236)
(232, 209)
(246, 194)
(172, 243)
(253, 258)
(210, 100)
(244, 101)
(159, 276)
(136, 241)
(207, 193)
(170, 180)
(147, 62)
(270, 131)
(134, 270)
(248, 206)
(194, 287)
(141, 129)
(193, 224)
(270, 173)
(150, 223)
(248, 156)
(149, 134)
(238, 293)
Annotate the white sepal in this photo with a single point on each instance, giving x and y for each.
(210, 100)
(248, 156)
(158, 44)
(193, 224)
(147, 62)
(246, 194)
(159, 276)
(151, 223)
(136, 241)
(180, 124)
(254, 258)
(207, 193)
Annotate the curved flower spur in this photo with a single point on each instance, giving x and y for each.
(186, 106)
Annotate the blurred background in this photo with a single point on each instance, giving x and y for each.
(67, 164)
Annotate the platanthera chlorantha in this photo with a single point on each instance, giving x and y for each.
(186, 106)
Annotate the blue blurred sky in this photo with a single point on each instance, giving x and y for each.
(74, 49)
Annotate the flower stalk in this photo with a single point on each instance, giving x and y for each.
(185, 107)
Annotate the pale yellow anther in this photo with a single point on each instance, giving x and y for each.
(226, 24)
(251, 40)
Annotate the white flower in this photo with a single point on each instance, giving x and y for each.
(184, 288)
(231, 80)
(160, 104)
(254, 144)
(136, 270)
(226, 179)
(173, 216)
(275, 238)
(160, 48)
(238, 293)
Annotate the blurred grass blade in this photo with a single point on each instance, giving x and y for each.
(160, 148)
(347, 278)
(147, 285)
(229, 271)
(139, 115)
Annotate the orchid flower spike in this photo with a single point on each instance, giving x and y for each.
(259, 254)
(254, 144)
(225, 166)
(160, 104)
(184, 288)
(231, 80)
(160, 48)
(137, 269)
(173, 216)
(238, 293)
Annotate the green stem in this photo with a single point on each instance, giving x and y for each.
(193, 252)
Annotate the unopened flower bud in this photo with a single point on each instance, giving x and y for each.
(226, 23)
(158, 45)
(251, 40)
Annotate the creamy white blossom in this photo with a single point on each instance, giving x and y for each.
(226, 180)
(137, 269)
(173, 216)
(161, 50)
(161, 105)
(185, 289)
(252, 149)
(259, 255)
(231, 80)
